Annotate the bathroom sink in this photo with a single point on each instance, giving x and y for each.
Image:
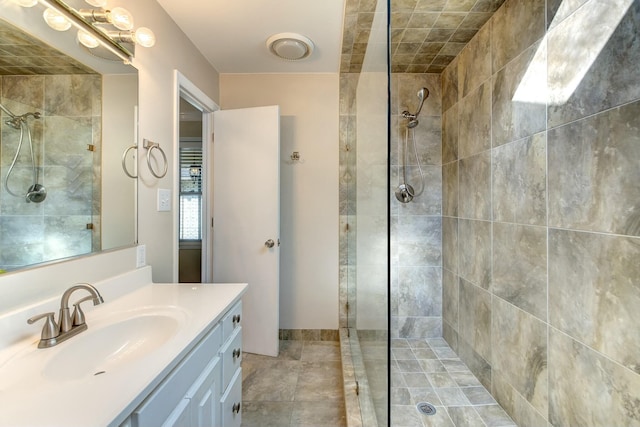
(106, 347)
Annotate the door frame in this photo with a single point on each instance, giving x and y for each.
(184, 88)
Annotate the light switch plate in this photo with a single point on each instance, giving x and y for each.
(164, 200)
(141, 256)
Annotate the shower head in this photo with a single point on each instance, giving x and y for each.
(412, 123)
(423, 94)
(15, 122)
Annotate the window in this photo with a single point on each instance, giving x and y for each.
(191, 192)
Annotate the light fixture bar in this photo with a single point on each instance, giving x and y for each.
(79, 22)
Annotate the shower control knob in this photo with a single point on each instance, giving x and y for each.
(270, 243)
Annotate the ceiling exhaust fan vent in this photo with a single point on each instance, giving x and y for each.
(290, 46)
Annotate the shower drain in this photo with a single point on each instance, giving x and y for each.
(426, 408)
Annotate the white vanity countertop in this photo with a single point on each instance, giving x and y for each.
(46, 397)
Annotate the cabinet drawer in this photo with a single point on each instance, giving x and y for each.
(231, 402)
(231, 321)
(157, 407)
(231, 355)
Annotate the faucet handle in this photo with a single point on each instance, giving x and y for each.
(50, 328)
(78, 314)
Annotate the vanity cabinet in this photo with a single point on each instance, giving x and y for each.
(231, 356)
(205, 389)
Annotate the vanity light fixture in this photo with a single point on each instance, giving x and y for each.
(290, 46)
(26, 3)
(119, 17)
(56, 20)
(99, 28)
(142, 36)
(87, 39)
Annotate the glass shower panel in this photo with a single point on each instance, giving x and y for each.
(372, 237)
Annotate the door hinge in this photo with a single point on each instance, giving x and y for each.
(90, 226)
(91, 147)
(347, 306)
(357, 388)
(213, 137)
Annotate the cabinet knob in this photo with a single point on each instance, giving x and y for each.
(236, 319)
(236, 408)
(236, 353)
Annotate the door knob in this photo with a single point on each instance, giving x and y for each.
(269, 243)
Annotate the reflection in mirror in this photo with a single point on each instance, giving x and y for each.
(63, 129)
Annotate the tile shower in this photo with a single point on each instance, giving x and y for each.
(524, 253)
(71, 121)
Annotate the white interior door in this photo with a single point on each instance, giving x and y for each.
(246, 217)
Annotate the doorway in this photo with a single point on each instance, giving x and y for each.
(193, 136)
(190, 194)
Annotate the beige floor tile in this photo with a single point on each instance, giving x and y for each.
(266, 414)
(319, 414)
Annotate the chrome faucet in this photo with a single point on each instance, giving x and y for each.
(68, 325)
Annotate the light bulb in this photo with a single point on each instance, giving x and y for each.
(121, 18)
(87, 39)
(144, 37)
(26, 3)
(56, 20)
(97, 3)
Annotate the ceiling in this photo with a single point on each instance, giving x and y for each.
(232, 34)
(426, 35)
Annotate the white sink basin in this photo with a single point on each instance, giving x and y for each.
(113, 341)
(102, 349)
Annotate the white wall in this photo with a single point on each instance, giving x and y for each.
(173, 50)
(309, 188)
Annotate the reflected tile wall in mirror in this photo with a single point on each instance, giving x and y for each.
(70, 122)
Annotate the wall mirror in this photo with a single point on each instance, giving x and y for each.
(67, 117)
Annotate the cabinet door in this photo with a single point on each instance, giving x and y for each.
(180, 416)
(205, 395)
(231, 402)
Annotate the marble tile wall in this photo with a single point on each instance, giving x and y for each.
(71, 120)
(541, 210)
(416, 227)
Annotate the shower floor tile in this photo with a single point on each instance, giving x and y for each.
(442, 380)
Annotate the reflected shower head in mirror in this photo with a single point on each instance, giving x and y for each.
(36, 192)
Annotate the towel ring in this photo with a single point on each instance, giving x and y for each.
(150, 146)
(124, 161)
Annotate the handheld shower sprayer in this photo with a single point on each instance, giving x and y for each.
(405, 192)
(423, 94)
(36, 192)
